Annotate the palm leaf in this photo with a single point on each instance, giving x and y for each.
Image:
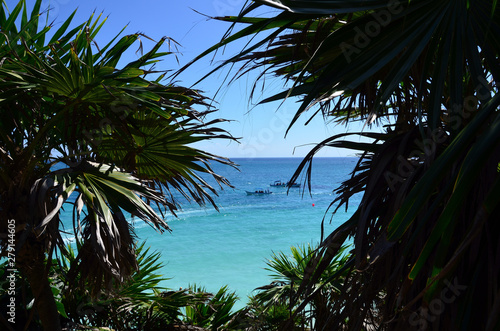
(77, 99)
(430, 68)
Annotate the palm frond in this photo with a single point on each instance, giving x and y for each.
(430, 70)
(76, 122)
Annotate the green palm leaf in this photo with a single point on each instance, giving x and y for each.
(430, 70)
(120, 138)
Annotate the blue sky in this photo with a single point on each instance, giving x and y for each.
(261, 127)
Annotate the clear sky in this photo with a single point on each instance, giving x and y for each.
(261, 127)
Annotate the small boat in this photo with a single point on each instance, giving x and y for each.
(259, 192)
(279, 183)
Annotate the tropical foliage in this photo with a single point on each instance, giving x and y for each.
(425, 233)
(81, 125)
(273, 317)
(139, 303)
(214, 313)
(289, 272)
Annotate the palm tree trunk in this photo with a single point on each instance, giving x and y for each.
(31, 261)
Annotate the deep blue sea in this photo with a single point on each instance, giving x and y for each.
(229, 247)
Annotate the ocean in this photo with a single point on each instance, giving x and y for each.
(230, 247)
(212, 248)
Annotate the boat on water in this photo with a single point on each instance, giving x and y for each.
(259, 192)
(279, 183)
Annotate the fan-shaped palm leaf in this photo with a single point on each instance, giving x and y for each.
(76, 126)
(427, 217)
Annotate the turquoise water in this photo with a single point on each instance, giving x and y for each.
(229, 247)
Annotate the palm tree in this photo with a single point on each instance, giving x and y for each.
(213, 313)
(79, 127)
(426, 230)
(140, 303)
(288, 273)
